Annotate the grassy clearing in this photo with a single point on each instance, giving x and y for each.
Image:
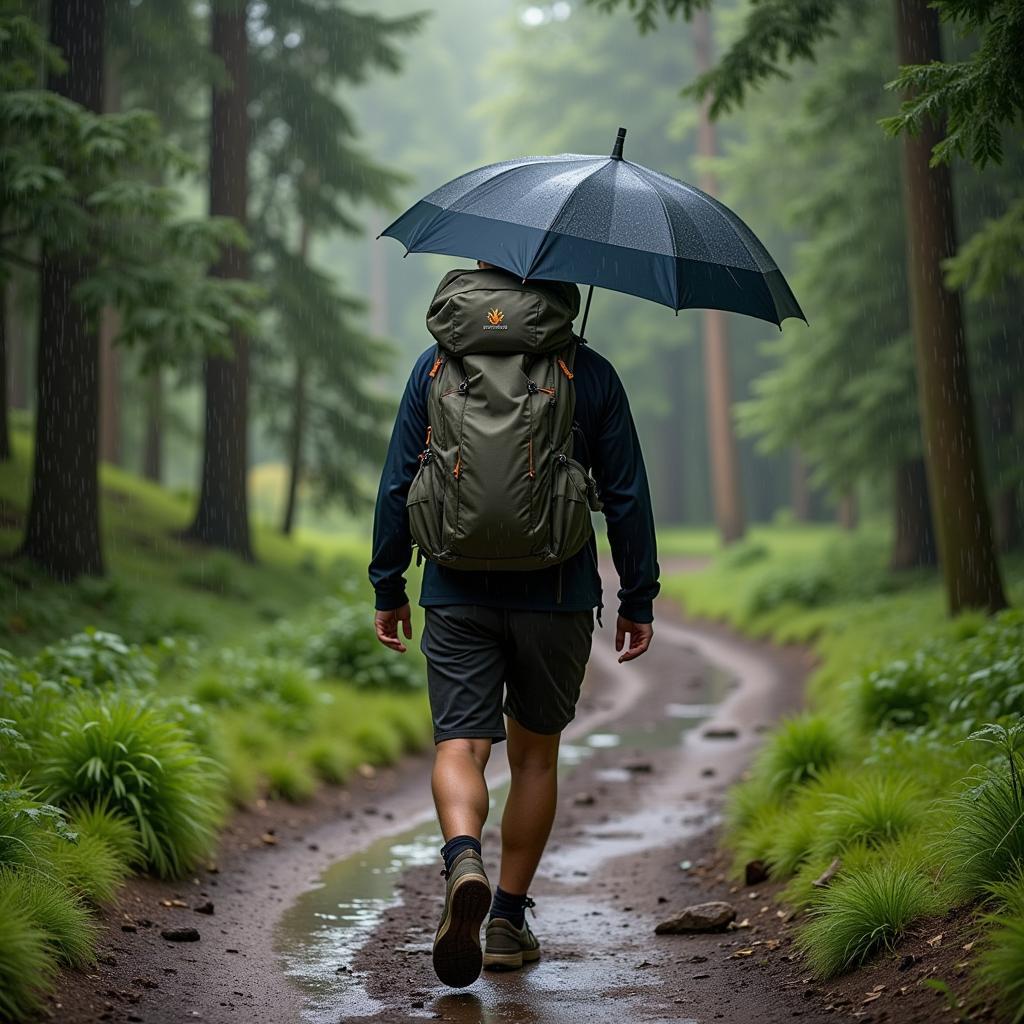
(907, 765)
(137, 709)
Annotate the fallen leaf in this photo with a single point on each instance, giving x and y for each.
(871, 997)
(741, 952)
(269, 839)
(935, 940)
(968, 946)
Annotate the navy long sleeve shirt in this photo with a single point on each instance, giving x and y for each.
(613, 451)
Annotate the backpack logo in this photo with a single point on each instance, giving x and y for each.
(494, 320)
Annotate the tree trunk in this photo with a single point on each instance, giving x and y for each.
(913, 532)
(846, 512)
(5, 436)
(110, 326)
(153, 444)
(296, 440)
(298, 431)
(956, 481)
(110, 388)
(62, 533)
(222, 517)
(17, 346)
(725, 475)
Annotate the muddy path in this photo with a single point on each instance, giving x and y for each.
(326, 913)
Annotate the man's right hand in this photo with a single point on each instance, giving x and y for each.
(640, 636)
(386, 624)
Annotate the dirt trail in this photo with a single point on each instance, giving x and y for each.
(635, 801)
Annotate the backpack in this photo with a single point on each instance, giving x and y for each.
(497, 487)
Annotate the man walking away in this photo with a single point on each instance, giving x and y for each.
(510, 431)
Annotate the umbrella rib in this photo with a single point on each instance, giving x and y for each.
(668, 220)
(714, 204)
(558, 213)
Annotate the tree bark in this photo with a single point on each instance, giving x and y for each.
(222, 516)
(17, 346)
(110, 326)
(62, 533)
(956, 482)
(913, 532)
(725, 475)
(153, 443)
(298, 430)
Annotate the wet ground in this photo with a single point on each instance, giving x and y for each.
(326, 913)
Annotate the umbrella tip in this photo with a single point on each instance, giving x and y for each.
(617, 148)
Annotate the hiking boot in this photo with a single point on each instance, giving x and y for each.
(507, 947)
(457, 953)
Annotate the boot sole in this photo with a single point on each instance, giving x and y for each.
(457, 956)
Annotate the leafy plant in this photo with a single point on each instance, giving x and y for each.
(290, 779)
(127, 752)
(26, 965)
(94, 658)
(999, 973)
(986, 842)
(879, 809)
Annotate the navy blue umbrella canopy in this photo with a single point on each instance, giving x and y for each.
(605, 221)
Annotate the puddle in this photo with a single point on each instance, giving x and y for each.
(319, 935)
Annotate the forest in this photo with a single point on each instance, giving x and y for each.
(205, 336)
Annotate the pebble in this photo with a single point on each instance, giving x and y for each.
(180, 934)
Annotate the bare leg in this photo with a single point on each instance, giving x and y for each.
(457, 782)
(530, 807)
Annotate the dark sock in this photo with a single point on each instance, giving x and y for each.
(509, 906)
(455, 846)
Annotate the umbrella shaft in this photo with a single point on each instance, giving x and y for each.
(586, 313)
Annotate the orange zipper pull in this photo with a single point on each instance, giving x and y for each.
(429, 429)
(437, 366)
(565, 369)
(458, 465)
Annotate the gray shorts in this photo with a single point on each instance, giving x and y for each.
(474, 651)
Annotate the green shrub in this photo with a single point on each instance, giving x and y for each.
(862, 912)
(89, 866)
(800, 749)
(290, 779)
(879, 809)
(101, 821)
(743, 554)
(94, 659)
(60, 915)
(379, 741)
(345, 647)
(902, 692)
(121, 750)
(28, 828)
(27, 966)
(808, 585)
(986, 842)
(999, 973)
(333, 760)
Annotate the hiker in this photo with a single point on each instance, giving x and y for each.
(511, 430)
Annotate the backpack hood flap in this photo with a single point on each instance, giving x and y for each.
(492, 311)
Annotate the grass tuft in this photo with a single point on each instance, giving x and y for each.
(126, 755)
(26, 966)
(800, 750)
(861, 913)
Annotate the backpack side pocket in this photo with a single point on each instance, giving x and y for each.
(425, 506)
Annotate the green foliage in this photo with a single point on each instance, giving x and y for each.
(122, 750)
(90, 866)
(745, 553)
(93, 659)
(26, 964)
(61, 916)
(879, 809)
(332, 760)
(986, 842)
(290, 779)
(1000, 970)
(216, 572)
(344, 647)
(860, 913)
(379, 740)
(100, 821)
(801, 748)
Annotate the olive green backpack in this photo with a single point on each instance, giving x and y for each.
(497, 486)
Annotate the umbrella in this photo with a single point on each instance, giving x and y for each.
(605, 221)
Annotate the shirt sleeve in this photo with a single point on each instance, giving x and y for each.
(392, 542)
(618, 466)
